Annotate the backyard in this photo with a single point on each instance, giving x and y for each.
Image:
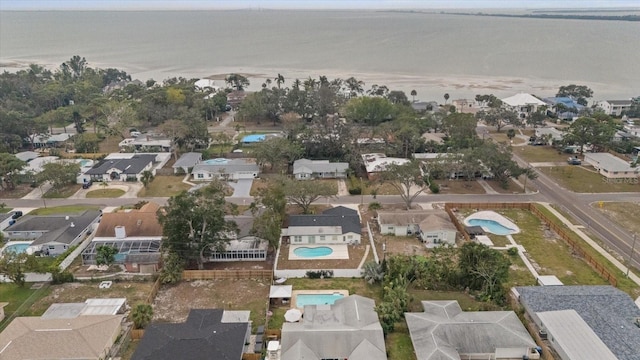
(356, 252)
(16, 296)
(586, 180)
(163, 186)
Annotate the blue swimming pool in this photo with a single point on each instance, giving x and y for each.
(317, 299)
(253, 138)
(312, 252)
(17, 248)
(491, 226)
(218, 161)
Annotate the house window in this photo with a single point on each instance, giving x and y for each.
(349, 237)
(312, 238)
(390, 228)
(51, 247)
(297, 238)
(200, 176)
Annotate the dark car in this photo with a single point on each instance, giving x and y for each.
(16, 214)
(87, 184)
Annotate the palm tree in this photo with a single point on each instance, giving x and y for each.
(413, 95)
(142, 315)
(296, 84)
(279, 80)
(355, 86)
(146, 178)
(310, 83)
(446, 98)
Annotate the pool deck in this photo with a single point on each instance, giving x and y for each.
(295, 293)
(340, 252)
(494, 216)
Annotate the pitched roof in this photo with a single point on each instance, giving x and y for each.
(280, 291)
(347, 329)
(228, 166)
(305, 166)
(620, 102)
(407, 217)
(137, 223)
(57, 228)
(82, 337)
(522, 99)
(610, 162)
(187, 160)
(133, 165)
(437, 222)
(346, 218)
(202, 336)
(444, 331)
(607, 310)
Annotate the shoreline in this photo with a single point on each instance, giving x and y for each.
(428, 86)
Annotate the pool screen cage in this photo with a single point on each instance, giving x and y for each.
(123, 247)
(250, 249)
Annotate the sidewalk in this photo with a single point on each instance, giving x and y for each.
(488, 189)
(37, 192)
(593, 244)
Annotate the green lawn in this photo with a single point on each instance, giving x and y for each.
(519, 275)
(4, 210)
(624, 283)
(63, 192)
(68, 209)
(16, 296)
(105, 193)
(502, 137)
(579, 179)
(163, 186)
(532, 153)
(552, 254)
(399, 345)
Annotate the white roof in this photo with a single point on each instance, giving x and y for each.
(609, 162)
(235, 316)
(280, 291)
(522, 99)
(27, 155)
(573, 336)
(379, 162)
(549, 280)
(204, 83)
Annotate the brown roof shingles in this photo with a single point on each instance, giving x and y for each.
(143, 222)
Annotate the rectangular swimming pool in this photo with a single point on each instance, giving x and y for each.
(317, 299)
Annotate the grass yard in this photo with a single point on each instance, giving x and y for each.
(63, 192)
(532, 153)
(16, 296)
(19, 191)
(549, 254)
(519, 275)
(502, 137)
(110, 145)
(625, 214)
(105, 193)
(135, 292)
(4, 210)
(460, 187)
(512, 187)
(163, 186)
(583, 180)
(399, 345)
(67, 209)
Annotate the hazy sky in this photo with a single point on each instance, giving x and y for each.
(302, 4)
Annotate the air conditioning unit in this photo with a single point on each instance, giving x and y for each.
(543, 334)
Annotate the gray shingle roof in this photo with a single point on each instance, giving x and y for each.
(347, 218)
(134, 165)
(65, 233)
(608, 311)
(318, 166)
(202, 336)
(227, 166)
(188, 160)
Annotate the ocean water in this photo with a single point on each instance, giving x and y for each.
(432, 53)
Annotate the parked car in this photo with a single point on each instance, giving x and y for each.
(16, 214)
(573, 160)
(87, 184)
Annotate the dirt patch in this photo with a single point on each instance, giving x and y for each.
(134, 291)
(19, 191)
(172, 304)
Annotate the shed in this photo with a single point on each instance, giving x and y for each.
(280, 294)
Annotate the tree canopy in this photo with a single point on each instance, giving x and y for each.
(408, 179)
(580, 93)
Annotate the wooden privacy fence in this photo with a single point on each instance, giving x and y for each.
(137, 334)
(560, 230)
(227, 274)
(154, 292)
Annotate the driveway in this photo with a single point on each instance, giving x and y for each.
(241, 188)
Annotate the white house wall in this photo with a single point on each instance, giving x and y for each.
(398, 230)
(439, 237)
(327, 239)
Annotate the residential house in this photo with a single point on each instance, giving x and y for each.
(348, 329)
(136, 234)
(122, 169)
(206, 334)
(425, 106)
(523, 104)
(186, 162)
(438, 138)
(27, 156)
(89, 337)
(466, 106)
(53, 234)
(227, 169)
(49, 140)
(444, 331)
(145, 144)
(548, 135)
(615, 107)
(610, 166)
(305, 169)
(433, 227)
(243, 246)
(377, 162)
(338, 225)
(565, 108)
(632, 130)
(572, 315)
